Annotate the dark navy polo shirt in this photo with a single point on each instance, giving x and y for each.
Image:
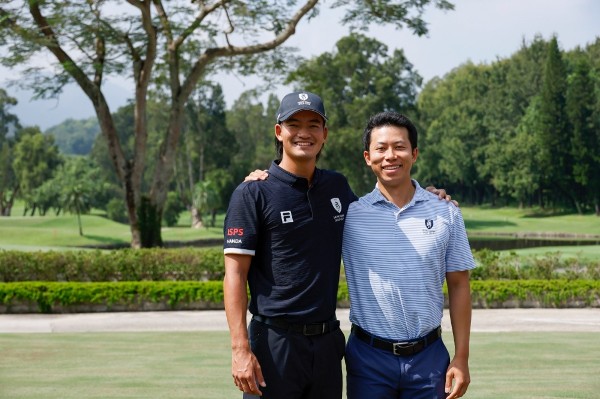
(294, 234)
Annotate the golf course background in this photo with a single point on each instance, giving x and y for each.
(197, 364)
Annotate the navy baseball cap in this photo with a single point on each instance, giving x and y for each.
(300, 101)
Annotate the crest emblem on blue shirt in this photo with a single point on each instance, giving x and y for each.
(337, 205)
(429, 223)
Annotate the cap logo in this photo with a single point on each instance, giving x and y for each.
(303, 96)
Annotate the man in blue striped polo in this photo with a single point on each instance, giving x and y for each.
(399, 245)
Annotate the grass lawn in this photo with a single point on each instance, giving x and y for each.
(53, 232)
(581, 251)
(485, 220)
(196, 365)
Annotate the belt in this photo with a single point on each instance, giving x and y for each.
(398, 348)
(304, 329)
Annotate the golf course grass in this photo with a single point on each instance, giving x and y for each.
(50, 232)
(197, 365)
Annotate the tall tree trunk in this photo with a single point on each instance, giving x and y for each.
(79, 223)
(197, 222)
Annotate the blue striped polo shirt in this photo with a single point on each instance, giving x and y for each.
(396, 260)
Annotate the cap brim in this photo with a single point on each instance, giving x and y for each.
(286, 116)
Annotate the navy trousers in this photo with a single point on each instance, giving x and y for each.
(296, 366)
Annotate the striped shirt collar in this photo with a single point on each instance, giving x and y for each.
(375, 196)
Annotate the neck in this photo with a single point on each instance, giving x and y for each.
(301, 169)
(400, 194)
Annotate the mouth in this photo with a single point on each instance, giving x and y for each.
(391, 167)
(303, 144)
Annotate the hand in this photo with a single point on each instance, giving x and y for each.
(441, 193)
(257, 175)
(246, 372)
(459, 372)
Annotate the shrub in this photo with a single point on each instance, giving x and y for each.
(154, 264)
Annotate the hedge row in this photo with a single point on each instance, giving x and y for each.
(189, 264)
(57, 297)
(158, 264)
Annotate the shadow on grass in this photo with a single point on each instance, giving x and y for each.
(546, 213)
(104, 240)
(483, 224)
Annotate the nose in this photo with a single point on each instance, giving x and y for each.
(390, 153)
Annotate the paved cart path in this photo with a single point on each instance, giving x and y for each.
(484, 320)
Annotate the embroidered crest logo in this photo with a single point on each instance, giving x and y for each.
(303, 96)
(429, 223)
(337, 205)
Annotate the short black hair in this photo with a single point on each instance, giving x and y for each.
(389, 118)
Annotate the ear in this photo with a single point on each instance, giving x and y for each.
(367, 157)
(278, 130)
(325, 131)
(415, 154)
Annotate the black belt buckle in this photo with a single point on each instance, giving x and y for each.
(400, 348)
(314, 329)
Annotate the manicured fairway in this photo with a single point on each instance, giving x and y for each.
(196, 365)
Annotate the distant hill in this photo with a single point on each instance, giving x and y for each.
(75, 137)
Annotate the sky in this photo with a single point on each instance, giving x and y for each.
(480, 31)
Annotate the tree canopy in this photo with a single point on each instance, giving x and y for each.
(168, 47)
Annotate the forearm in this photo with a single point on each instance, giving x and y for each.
(459, 296)
(236, 304)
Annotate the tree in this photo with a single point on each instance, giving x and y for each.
(173, 45)
(207, 144)
(9, 123)
(455, 134)
(36, 157)
(553, 125)
(585, 139)
(75, 137)
(252, 125)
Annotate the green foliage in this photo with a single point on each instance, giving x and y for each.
(520, 130)
(114, 296)
(119, 265)
(357, 80)
(252, 124)
(166, 52)
(530, 293)
(173, 208)
(50, 297)
(36, 157)
(75, 137)
(493, 265)
(116, 210)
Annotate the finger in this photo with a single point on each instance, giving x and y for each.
(441, 193)
(448, 197)
(448, 386)
(455, 202)
(253, 388)
(259, 377)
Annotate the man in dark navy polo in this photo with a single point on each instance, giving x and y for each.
(283, 238)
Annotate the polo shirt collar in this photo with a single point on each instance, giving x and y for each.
(421, 194)
(290, 178)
